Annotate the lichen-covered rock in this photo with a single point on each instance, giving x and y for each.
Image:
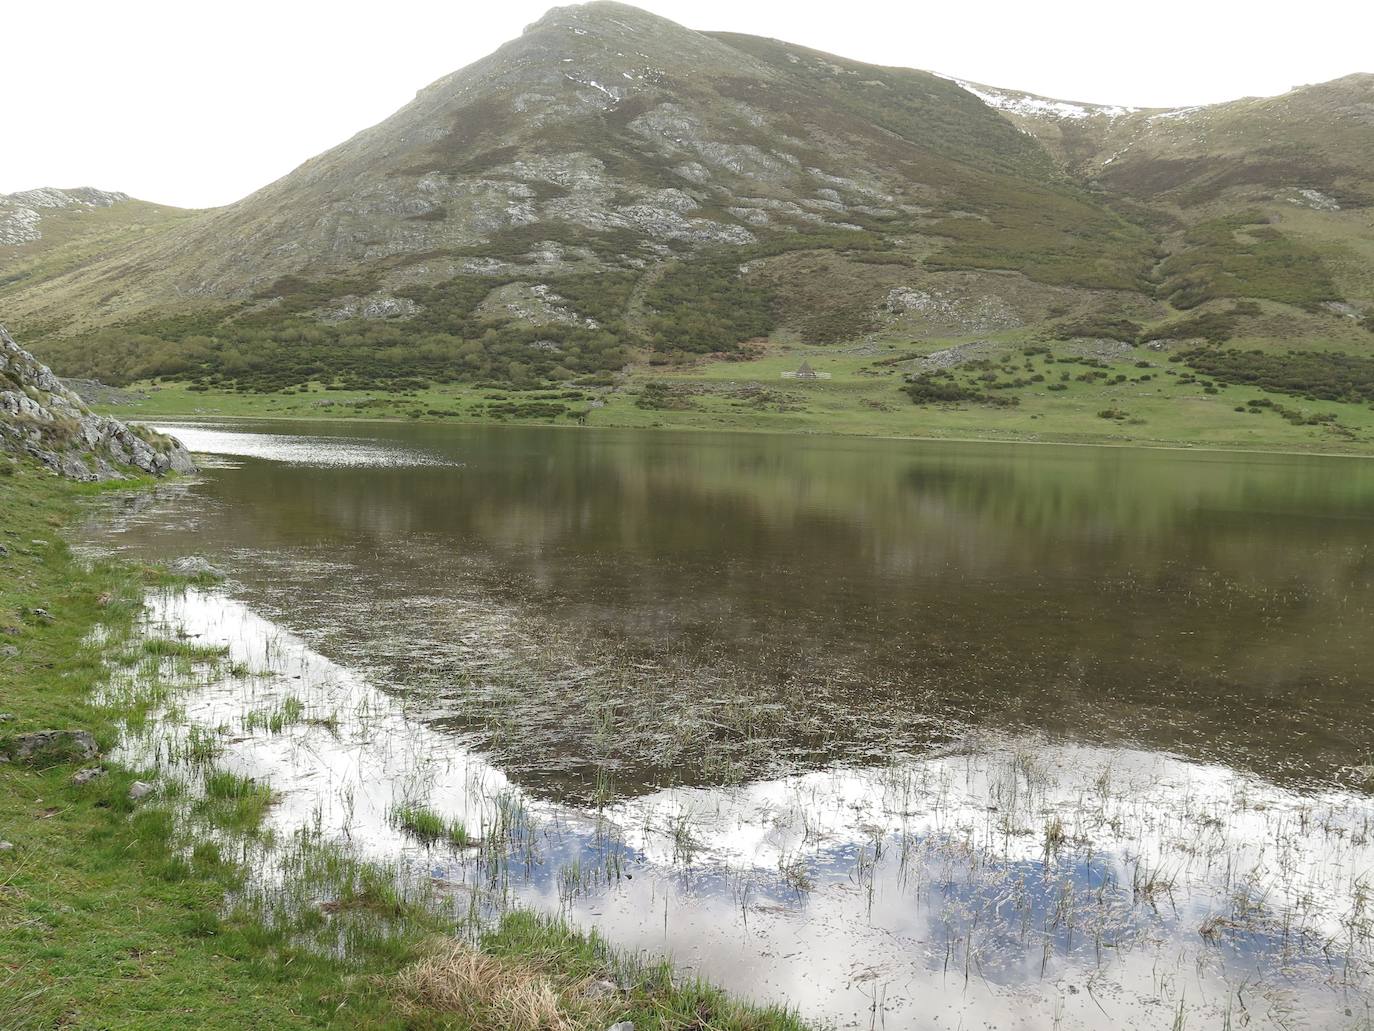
(42, 418)
(378, 305)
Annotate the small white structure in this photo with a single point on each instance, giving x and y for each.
(804, 371)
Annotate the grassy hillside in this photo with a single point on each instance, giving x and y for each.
(48, 234)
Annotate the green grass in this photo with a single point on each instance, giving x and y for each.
(655, 997)
(103, 921)
(123, 914)
(1312, 375)
(233, 802)
(167, 649)
(431, 827)
(864, 396)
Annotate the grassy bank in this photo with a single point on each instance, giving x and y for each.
(118, 912)
(1021, 391)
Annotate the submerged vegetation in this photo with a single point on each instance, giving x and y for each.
(430, 827)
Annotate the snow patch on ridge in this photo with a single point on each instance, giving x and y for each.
(1177, 113)
(1041, 107)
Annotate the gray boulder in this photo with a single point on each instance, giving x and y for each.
(83, 777)
(602, 989)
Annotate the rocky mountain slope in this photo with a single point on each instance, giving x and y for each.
(41, 418)
(611, 186)
(1302, 162)
(46, 232)
(22, 214)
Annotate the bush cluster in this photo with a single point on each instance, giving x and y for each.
(942, 388)
(706, 305)
(1315, 375)
(1244, 256)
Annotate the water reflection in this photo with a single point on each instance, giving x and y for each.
(1006, 880)
(296, 448)
(855, 596)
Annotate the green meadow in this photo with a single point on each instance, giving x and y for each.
(1027, 391)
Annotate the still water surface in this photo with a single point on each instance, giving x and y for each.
(905, 734)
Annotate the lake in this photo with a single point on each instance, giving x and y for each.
(906, 734)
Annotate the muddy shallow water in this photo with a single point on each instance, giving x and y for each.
(905, 734)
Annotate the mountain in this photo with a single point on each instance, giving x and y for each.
(46, 232)
(1302, 162)
(611, 187)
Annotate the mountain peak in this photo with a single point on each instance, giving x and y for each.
(603, 14)
(605, 32)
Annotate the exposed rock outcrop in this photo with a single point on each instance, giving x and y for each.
(40, 417)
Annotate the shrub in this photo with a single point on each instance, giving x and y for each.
(1320, 375)
(705, 305)
(1215, 327)
(1244, 256)
(659, 396)
(527, 409)
(942, 388)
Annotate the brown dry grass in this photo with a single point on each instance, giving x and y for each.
(486, 991)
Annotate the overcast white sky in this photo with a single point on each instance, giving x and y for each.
(198, 104)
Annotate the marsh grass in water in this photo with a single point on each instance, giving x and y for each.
(430, 827)
(289, 713)
(163, 648)
(534, 974)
